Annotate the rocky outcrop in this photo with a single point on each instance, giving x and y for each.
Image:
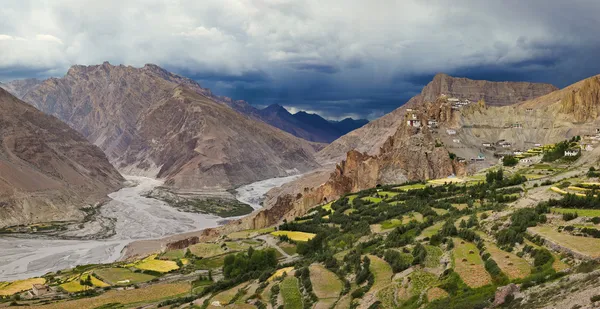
(371, 137)
(20, 88)
(48, 171)
(494, 93)
(583, 103)
(154, 123)
(183, 243)
(503, 292)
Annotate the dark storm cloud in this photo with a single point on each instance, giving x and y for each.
(338, 57)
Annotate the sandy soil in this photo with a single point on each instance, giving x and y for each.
(130, 215)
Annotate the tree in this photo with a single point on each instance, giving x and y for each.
(509, 160)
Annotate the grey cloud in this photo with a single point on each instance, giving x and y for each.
(303, 53)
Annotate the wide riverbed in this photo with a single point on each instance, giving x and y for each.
(134, 216)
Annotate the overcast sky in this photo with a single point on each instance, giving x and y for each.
(336, 57)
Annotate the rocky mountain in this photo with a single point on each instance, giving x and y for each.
(151, 122)
(48, 171)
(438, 136)
(372, 136)
(308, 126)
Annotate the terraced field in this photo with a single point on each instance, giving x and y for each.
(294, 235)
(510, 264)
(326, 285)
(10, 288)
(581, 212)
(290, 291)
(121, 276)
(142, 296)
(151, 263)
(469, 265)
(584, 245)
(250, 233)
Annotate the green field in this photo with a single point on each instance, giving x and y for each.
(434, 254)
(387, 194)
(327, 207)
(421, 281)
(211, 263)
(440, 211)
(372, 200)
(121, 276)
(325, 283)
(581, 212)
(250, 233)
(432, 230)
(292, 299)
(411, 187)
(382, 271)
(390, 224)
(173, 254)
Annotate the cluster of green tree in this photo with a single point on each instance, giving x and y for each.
(461, 296)
(520, 221)
(558, 152)
(592, 172)
(498, 277)
(248, 262)
(303, 275)
(471, 222)
(497, 179)
(509, 160)
(362, 276)
(573, 201)
(590, 232)
(396, 260)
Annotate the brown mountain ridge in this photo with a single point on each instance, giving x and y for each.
(48, 171)
(154, 123)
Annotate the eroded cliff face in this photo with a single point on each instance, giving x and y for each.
(583, 103)
(48, 171)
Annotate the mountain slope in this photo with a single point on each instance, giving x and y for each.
(47, 170)
(154, 123)
(372, 136)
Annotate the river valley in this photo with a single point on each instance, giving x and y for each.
(129, 215)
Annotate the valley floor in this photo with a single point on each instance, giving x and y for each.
(128, 217)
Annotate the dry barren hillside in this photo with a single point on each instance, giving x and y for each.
(151, 122)
(48, 171)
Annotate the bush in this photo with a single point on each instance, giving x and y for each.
(509, 161)
(595, 298)
(568, 216)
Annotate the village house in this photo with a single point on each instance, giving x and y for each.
(456, 140)
(529, 110)
(526, 160)
(461, 160)
(517, 152)
(506, 145)
(453, 100)
(413, 123)
(451, 132)
(432, 123)
(587, 147)
(486, 144)
(40, 289)
(517, 125)
(480, 157)
(537, 145)
(571, 152)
